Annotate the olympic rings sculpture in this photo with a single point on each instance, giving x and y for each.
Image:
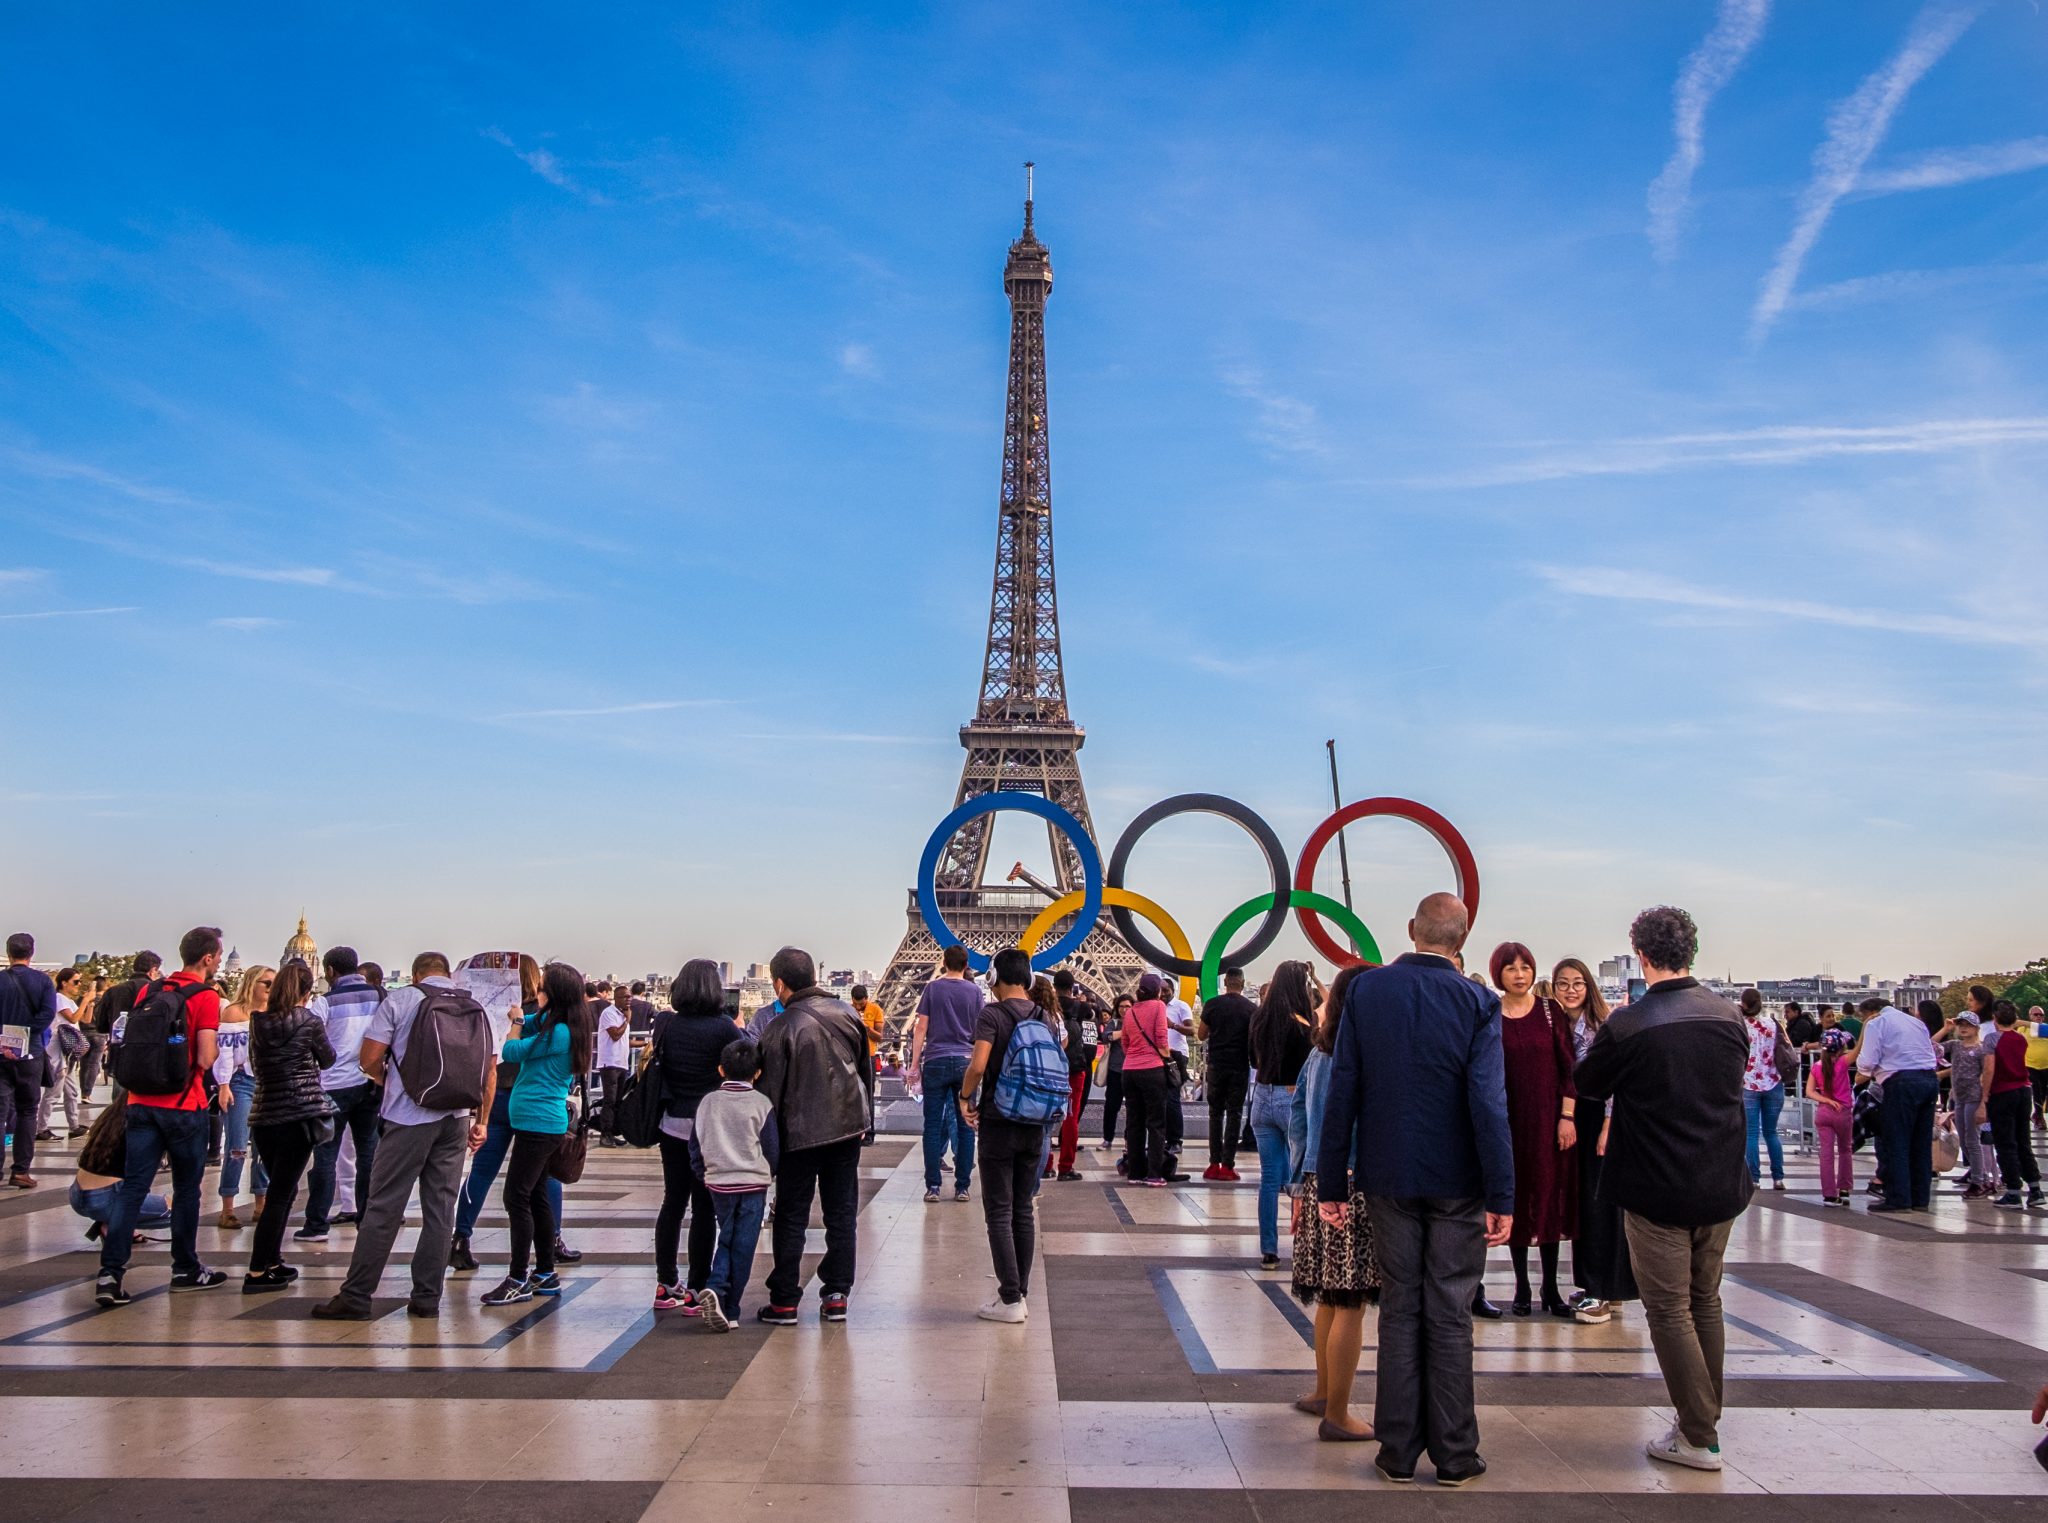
(1105, 889)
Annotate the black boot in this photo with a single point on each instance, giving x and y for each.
(565, 1254)
(1483, 1308)
(460, 1259)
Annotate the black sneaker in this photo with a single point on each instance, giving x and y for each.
(777, 1316)
(1269, 1261)
(564, 1254)
(1068, 1176)
(417, 1309)
(547, 1284)
(1389, 1473)
(273, 1278)
(310, 1235)
(2036, 1200)
(204, 1279)
(460, 1259)
(832, 1308)
(345, 1219)
(107, 1291)
(1886, 1208)
(1463, 1477)
(509, 1292)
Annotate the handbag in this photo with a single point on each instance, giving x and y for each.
(1786, 1057)
(642, 1104)
(566, 1164)
(320, 1129)
(1948, 1147)
(1176, 1065)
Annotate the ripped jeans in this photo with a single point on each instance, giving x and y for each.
(240, 1095)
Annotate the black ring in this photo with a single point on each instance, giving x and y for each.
(1230, 809)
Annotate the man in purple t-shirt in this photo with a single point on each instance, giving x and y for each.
(941, 1041)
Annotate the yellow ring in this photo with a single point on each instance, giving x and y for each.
(1062, 907)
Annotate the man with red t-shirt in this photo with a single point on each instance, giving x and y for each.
(174, 1127)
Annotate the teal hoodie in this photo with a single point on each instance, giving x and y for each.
(540, 1095)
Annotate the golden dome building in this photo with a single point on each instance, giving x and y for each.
(303, 947)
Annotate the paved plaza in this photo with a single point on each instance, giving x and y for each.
(1877, 1369)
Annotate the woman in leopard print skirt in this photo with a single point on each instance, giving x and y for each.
(1334, 1267)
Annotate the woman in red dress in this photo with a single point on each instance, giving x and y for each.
(1536, 1044)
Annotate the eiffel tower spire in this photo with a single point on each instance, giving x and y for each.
(1022, 737)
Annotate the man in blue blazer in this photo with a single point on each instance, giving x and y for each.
(1417, 1076)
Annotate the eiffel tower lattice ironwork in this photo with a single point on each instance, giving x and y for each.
(1022, 738)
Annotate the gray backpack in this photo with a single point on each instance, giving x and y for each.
(448, 1052)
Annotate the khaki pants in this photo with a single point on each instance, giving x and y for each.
(1678, 1270)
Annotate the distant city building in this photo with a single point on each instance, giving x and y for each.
(232, 968)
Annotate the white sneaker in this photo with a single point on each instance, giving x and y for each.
(1593, 1312)
(713, 1314)
(1000, 1310)
(1672, 1449)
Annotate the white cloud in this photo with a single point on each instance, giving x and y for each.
(1786, 444)
(1284, 424)
(651, 706)
(291, 576)
(68, 613)
(1898, 285)
(544, 163)
(1623, 585)
(247, 622)
(1707, 71)
(15, 576)
(858, 360)
(1856, 128)
(1942, 167)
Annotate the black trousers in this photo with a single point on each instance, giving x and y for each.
(682, 1187)
(1431, 1255)
(21, 1092)
(1146, 1115)
(831, 1174)
(527, 1206)
(2011, 1113)
(1905, 1138)
(284, 1149)
(1112, 1102)
(1009, 1185)
(1226, 1093)
(613, 1080)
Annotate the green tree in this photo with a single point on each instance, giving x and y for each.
(1953, 992)
(2031, 987)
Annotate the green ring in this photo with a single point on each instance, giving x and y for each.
(1297, 899)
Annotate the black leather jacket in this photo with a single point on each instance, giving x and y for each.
(816, 1071)
(286, 1053)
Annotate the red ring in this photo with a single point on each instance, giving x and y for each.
(1443, 830)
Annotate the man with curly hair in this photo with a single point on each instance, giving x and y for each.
(1672, 1064)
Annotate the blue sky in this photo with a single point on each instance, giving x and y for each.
(530, 479)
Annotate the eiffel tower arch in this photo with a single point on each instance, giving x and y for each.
(1022, 738)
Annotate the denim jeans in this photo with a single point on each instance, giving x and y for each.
(242, 1094)
(355, 1114)
(484, 1164)
(1273, 1129)
(740, 1215)
(942, 1123)
(1760, 1112)
(154, 1133)
(1905, 1138)
(98, 1206)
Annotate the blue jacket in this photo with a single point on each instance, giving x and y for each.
(1311, 1092)
(1418, 1073)
(540, 1096)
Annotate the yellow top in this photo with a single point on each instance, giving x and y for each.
(875, 1017)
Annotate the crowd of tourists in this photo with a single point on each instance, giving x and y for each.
(1413, 1116)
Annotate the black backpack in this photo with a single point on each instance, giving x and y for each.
(155, 1055)
(447, 1053)
(114, 1004)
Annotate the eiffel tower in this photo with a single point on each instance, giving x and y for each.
(1022, 738)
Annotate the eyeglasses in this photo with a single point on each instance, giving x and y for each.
(1569, 983)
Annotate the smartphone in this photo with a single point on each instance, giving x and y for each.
(1637, 988)
(2041, 1453)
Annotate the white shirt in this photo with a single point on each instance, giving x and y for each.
(614, 1052)
(1177, 1010)
(232, 1055)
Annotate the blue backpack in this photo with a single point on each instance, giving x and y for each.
(1032, 1088)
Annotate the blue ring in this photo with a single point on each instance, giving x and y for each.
(1045, 809)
